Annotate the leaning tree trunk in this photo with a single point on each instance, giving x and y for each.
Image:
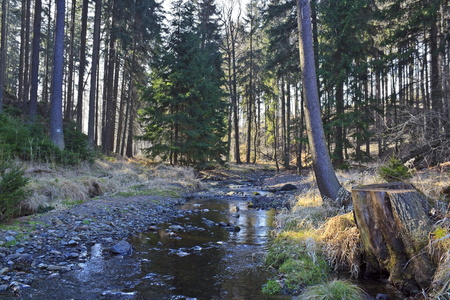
(326, 179)
(394, 225)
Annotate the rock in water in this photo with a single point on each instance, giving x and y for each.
(122, 248)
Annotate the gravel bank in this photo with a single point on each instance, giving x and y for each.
(49, 244)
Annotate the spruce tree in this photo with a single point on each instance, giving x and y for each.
(185, 111)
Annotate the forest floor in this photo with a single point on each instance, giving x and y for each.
(106, 202)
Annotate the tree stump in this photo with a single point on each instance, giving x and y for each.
(394, 224)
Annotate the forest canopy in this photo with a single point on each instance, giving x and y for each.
(207, 81)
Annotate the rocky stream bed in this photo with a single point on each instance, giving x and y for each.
(51, 247)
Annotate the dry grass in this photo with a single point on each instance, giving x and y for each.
(341, 243)
(335, 233)
(60, 186)
(441, 280)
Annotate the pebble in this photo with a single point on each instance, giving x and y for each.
(10, 239)
(55, 268)
(72, 255)
(44, 251)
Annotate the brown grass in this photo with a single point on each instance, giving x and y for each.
(57, 186)
(341, 243)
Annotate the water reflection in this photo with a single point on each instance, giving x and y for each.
(218, 264)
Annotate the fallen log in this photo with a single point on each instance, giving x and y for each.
(394, 223)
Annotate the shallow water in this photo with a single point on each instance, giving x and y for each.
(210, 262)
(201, 261)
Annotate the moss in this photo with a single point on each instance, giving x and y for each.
(304, 272)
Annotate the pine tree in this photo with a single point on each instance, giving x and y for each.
(185, 113)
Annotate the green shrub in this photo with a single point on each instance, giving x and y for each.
(394, 170)
(272, 287)
(30, 142)
(76, 143)
(12, 190)
(333, 290)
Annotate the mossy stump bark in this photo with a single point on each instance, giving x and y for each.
(394, 223)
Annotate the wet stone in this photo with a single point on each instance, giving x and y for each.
(176, 228)
(122, 248)
(55, 268)
(72, 255)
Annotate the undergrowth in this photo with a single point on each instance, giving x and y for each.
(13, 191)
(319, 231)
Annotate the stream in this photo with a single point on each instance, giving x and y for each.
(213, 250)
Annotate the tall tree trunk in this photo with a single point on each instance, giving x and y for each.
(288, 123)
(115, 98)
(84, 13)
(129, 151)
(47, 58)
(237, 152)
(129, 122)
(3, 55)
(121, 111)
(105, 94)
(110, 103)
(35, 59)
(325, 177)
(22, 51)
(69, 98)
(26, 75)
(250, 97)
(339, 137)
(56, 120)
(95, 60)
(436, 93)
(283, 123)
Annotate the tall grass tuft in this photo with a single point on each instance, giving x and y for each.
(333, 290)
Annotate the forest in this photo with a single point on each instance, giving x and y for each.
(321, 126)
(206, 82)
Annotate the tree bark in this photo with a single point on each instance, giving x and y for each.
(326, 179)
(95, 59)
(56, 120)
(26, 75)
(394, 225)
(35, 60)
(3, 55)
(84, 14)
(69, 100)
(22, 52)
(237, 153)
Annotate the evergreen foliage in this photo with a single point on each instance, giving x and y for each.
(12, 190)
(394, 170)
(30, 142)
(184, 116)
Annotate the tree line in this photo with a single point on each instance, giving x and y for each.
(208, 82)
